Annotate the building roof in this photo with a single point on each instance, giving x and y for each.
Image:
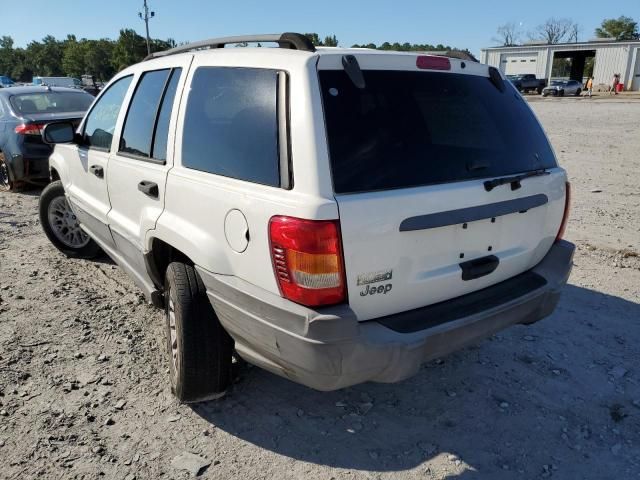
(590, 44)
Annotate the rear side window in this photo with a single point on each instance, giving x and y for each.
(149, 113)
(409, 129)
(101, 120)
(231, 125)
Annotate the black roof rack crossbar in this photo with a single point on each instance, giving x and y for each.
(294, 41)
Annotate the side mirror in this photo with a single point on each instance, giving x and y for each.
(60, 132)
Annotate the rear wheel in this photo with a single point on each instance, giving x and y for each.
(61, 226)
(561, 93)
(5, 177)
(578, 92)
(200, 349)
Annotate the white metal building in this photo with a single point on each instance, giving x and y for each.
(611, 57)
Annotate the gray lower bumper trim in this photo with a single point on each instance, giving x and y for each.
(328, 349)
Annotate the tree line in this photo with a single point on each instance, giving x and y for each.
(72, 57)
(561, 30)
(103, 58)
(332, 41)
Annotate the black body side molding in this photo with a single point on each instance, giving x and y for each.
(472, 214)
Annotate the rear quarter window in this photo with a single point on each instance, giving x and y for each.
(409, 129)
(231, 125)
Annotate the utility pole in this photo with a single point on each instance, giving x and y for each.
(146, 16)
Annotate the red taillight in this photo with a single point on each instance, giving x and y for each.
(29, 129)
(307, 260)
(565, 216)
(429, 62)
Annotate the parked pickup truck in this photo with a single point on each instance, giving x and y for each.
(527, 82)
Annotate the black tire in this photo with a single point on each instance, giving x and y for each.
(55, 192)
(6, 184)
(200, 350)
(561, 93)
(578, 92)
(539, 90)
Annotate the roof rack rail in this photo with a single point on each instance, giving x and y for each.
(294, 41)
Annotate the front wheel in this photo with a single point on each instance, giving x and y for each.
(578, 92)
(200, 349)
(61, 226)
(561, 93)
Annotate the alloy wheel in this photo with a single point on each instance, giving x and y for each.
(65, 225)
(5, 183)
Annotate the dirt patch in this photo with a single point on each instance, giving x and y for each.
(83, 371)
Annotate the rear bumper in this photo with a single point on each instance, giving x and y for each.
(328, 349)
(27, 168)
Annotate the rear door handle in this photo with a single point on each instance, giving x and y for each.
(97, 170)
(149, 188)
(479, 267)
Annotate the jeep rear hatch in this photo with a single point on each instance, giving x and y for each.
(409, 155)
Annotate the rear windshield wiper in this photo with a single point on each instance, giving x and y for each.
(514, 181)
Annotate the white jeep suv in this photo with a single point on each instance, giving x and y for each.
(335, 216)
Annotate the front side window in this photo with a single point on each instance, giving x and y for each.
(231, 124)
(101, 121)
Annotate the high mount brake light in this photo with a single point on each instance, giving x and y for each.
(29, 129)
(565, 216)
(431, 62)
(307, 260)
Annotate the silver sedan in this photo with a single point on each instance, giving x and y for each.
(560, 88)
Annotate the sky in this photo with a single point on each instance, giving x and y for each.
(463, 24)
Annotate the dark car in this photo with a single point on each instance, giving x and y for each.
(24, 111)
(528, 82)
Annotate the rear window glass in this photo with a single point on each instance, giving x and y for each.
(409, 129)
(231, 124)
(51, 102)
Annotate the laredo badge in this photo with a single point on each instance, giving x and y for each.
(375, 277)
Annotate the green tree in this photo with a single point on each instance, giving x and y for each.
(44, 58)
(73, 57)
(330, 41)
(315, 39)
(21, 69)
(621, 28)
(6, 55)
(130, 48)
(98, 56)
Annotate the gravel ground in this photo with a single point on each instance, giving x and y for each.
(84, 384)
